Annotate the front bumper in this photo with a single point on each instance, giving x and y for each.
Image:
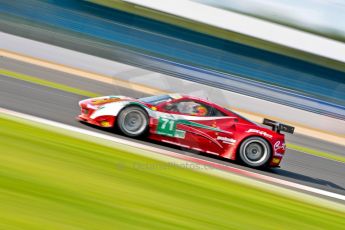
(102, 121)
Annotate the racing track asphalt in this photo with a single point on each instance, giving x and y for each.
(105, 89)
(62, 107)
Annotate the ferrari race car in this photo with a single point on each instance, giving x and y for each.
(192, 123)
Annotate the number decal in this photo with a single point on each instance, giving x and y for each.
(166, 126)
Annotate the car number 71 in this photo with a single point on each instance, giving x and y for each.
(166, 126)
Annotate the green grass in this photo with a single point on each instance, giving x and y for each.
(317, 152)
(53, 181)
(46, 83)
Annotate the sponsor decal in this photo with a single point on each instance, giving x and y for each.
(180, 134)
(263, 133)
(279, 145)
(226, 140)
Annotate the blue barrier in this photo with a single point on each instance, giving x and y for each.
(301, 79)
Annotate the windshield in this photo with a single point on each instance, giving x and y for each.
(155, 100)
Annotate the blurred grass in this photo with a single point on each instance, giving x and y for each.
(52, 181)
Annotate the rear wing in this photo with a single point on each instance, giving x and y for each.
(278, 127)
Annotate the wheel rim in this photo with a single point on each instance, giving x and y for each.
(134, 122)
(255, 151)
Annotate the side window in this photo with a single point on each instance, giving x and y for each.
(217, 113)
(190, 107)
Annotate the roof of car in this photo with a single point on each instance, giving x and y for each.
(184, 96)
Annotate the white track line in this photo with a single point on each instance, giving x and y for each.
(222, 167)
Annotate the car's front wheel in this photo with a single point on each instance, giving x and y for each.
(255, 152)
(133, 121)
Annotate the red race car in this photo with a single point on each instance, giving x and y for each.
(192, 123)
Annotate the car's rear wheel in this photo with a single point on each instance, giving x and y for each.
(133, 121)
(255, 152)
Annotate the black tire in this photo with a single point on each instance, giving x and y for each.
(255, 152)
(133, 121)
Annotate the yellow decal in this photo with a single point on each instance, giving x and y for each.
(104, 100)
(105, 123)
(276, 160)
